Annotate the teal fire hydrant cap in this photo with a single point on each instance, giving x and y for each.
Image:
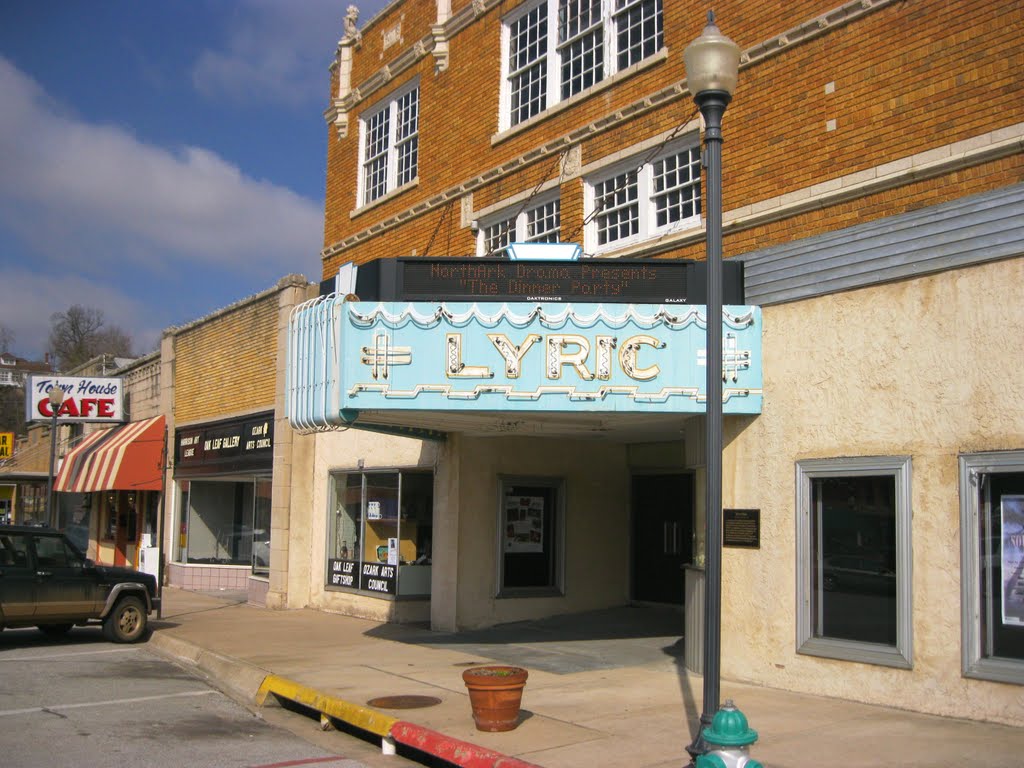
(729, 728)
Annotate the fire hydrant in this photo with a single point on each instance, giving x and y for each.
(728, 740)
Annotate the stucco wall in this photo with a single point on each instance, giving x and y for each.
(596, 547)
(928, 368)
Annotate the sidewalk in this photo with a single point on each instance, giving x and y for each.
(589, 702)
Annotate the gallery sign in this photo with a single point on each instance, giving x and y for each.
(372, 577)
(235, 445)
(86, 398)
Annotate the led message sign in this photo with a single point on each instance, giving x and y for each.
(597, 281)
(501, 280)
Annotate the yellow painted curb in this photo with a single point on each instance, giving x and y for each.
(353, 714)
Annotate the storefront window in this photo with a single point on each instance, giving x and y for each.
(380, 534)
(853, 541)
(226, 522)
(531, 537)
(261, 529)
(992, 565)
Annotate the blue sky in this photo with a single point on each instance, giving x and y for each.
(159, 159)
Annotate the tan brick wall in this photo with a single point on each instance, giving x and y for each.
(142, 387)
(226, 364)
(907, 78)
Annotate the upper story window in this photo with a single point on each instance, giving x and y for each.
(539, 221)
(389, 144)
(554, 49)
(631, 202)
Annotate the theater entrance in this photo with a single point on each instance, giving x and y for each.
(662, 536)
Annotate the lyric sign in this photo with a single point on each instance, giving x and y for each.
(86, 399)
(540, 357)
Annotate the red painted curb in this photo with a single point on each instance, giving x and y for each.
(458, 752)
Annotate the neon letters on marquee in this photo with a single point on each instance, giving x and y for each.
(525, 356)
(561, 349)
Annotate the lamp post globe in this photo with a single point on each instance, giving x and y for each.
(56, 398)
(712, 67)
(712, 62)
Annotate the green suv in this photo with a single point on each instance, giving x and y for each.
(47, 583)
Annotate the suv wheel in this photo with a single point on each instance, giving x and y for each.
(127, 622)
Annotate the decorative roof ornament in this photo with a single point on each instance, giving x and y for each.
(351, 18)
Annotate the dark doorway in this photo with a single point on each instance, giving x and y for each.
(662, 536)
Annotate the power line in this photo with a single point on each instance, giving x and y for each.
(444, 214)
(647, 159)
(559, 162)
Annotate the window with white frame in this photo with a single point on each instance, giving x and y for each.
(854, 562)
(389, 144)
(554, 49)
(992, 565)
(538, 221)
(643, 198)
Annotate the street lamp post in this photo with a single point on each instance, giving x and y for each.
(56, 395)
(712, 65)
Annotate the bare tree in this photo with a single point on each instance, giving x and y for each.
(6, 339)
(79, 334)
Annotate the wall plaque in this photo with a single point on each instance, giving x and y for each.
(741, 528)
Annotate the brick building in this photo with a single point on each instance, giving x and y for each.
(113, 515)
(873, 189)
(228, 482)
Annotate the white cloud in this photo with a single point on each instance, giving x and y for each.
(84, 203)
(29, 298)
(276, 52)
(102, 179)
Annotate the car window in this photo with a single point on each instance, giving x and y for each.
(13, 551)
(51, 552)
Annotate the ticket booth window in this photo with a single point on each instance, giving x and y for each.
(380, 534)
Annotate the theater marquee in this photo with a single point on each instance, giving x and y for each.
(516, 357)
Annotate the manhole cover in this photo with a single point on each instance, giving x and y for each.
(403, 702)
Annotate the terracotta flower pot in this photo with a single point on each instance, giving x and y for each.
(495, 693)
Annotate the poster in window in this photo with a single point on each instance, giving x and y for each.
(524, 523)
(1012, 559)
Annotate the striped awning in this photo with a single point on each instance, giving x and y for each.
(125, 458)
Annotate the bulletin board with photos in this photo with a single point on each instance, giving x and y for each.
(529, 531)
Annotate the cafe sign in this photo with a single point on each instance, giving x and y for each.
(86, 398)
